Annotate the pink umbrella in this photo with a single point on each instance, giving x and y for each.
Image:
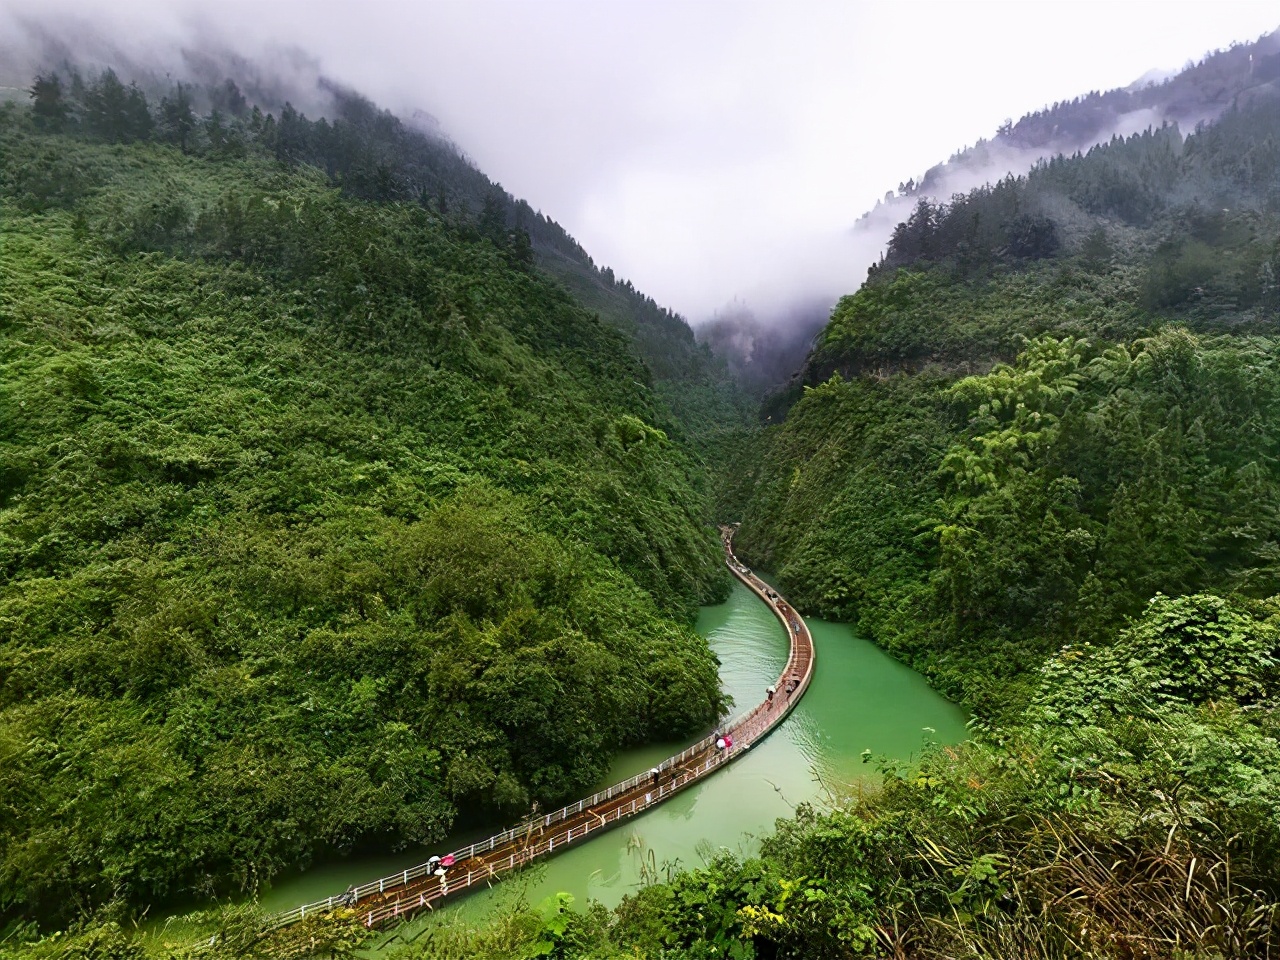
(447, 861)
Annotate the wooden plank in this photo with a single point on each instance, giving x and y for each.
(396, 898)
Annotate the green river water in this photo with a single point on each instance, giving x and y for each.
(860, 699)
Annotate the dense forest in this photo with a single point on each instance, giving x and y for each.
(1055, 398)
(323, 518)
(370, 154)
(338, 498)
(1035, 457)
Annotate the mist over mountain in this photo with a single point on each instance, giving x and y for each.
(245, 354)
(764, 355)
(1034, 456)
(374, 154)
(347, 503)
(283, 73)
(1197, 93)
(821, 264)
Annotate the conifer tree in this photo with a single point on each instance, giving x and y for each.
(178, 119)
(49, 108)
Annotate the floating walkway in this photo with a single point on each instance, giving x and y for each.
(397, 897)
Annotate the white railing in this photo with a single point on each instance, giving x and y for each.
(743, 727)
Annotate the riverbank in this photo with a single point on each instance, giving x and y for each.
(862, 699)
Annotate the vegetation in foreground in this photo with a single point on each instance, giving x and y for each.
(1133, 811)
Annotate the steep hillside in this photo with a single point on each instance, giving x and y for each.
(766, 357)
(1035, 456)
(1200, 92)
(1055, 398)
(323, 517)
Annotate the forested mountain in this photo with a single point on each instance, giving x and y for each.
(324, 513)
(1116, 309)
(1198, 93)
(1036, 457)
(373, 155)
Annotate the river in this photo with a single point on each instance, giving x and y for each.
(860, 699)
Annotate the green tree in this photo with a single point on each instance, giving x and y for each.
(493, 217)
(177, 118)
(49, 107)
(139, 124)
(117, 113)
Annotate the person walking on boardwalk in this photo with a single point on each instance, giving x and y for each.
(655, 773)
(769, 693)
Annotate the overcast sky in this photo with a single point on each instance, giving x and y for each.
(710, 150)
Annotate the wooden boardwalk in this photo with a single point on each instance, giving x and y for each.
(391, 899)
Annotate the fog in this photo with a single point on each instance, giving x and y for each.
(710, 152)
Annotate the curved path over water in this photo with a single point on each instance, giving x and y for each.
(399, 896)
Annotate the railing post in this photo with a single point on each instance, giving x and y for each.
(746, 729)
